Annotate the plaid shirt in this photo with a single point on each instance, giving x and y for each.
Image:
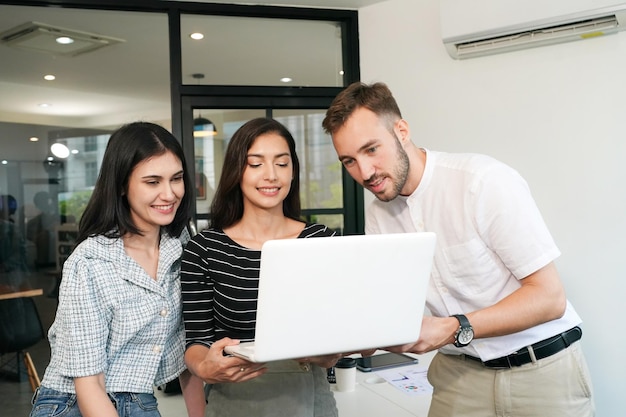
(113, 318)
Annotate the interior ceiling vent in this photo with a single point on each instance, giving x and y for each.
(40, 37)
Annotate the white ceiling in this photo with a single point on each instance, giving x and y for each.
(85, 95)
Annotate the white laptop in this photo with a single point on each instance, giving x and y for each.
(339, 294)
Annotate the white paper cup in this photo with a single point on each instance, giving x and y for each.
(345, 374)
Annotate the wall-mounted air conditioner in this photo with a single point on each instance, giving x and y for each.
(472, 28)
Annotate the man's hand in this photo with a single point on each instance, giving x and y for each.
(436, 332)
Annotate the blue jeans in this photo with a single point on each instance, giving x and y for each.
(51, 403)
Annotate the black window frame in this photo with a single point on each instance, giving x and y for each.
(303, 97)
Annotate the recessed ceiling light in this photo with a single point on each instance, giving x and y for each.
(196, 36)
(74, 151)
(286, 80)
(341, 72)
(64, 40)
(4, 162)
(34, 139)
(60, 150)
(49, 77)
(44, 105)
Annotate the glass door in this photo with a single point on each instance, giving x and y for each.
(207, 132)
(212, 130)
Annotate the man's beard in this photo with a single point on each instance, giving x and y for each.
(399, 175)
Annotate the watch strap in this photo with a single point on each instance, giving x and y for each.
(463, 321)
(464, 327)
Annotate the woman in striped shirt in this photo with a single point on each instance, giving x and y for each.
(257, 199)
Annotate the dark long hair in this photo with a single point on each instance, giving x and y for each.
(108, 212)
(227, 205)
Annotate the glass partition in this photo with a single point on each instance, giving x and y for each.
(53, 130)
(227, 50)
(212, 132)
(321, 189)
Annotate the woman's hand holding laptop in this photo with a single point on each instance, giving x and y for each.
(214, 366)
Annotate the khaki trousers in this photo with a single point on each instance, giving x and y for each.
(556, 386)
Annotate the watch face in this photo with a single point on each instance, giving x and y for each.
(465, 336)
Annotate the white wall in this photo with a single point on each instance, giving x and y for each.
(558, 115)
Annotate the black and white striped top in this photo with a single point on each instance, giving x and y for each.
(220, 281)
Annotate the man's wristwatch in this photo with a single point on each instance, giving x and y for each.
(465, 334)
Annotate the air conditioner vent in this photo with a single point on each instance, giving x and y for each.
(40, 37)
(554, 34)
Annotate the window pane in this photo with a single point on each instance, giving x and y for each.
(212, 132)
(261, 51)
(321, 190)
(94, 92)
(334, 221)
(320, 170)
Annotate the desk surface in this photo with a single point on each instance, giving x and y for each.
(382, 399)
(5, 295)
(367, 400)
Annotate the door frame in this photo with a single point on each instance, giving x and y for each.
(352, 210)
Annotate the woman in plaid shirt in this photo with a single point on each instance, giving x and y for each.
(118, 330)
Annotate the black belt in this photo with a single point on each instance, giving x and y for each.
(543, 349)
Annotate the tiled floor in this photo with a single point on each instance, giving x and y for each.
(15, 396)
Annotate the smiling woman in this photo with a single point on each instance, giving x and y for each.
(95, 92)
(155, 190)
(124, 268)
(257, 199)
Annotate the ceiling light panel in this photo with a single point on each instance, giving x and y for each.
(40, 37)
